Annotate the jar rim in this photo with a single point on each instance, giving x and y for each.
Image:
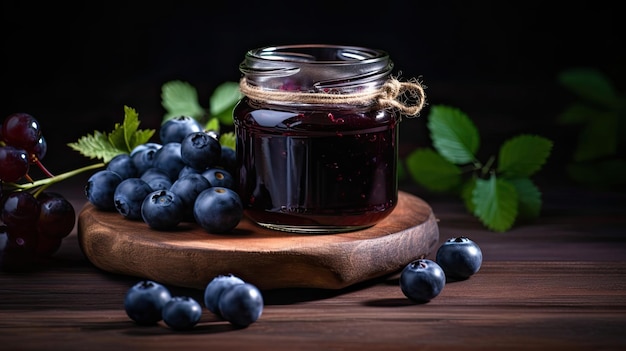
(317, 67)
(319, 54)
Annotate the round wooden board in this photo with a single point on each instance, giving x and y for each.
(190, 257)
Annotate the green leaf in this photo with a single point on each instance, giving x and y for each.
(601, 174)
(467, 191)
(431, 170)
(223, 101)
(577, 113)
(213, 124)
(228, 140)
(528, 197)
(590, 84)
(599, 138)
(179, 99)
(523, 155)
(123, 139)
(96, 145)
(126, 136)
(495, 203)
(453, 134)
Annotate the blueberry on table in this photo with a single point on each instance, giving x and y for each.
(219, 177)
(129, 196)
(168, 158)
(200, 150)
(123, 165)
(176, 129)
(100, 189)
(181, 313)
(459, 257)
(216, 287)
(157, 179)
(241, 304)
(218, 209)
(422, 280)
(188, 187)
(162, 210)
(144, 302)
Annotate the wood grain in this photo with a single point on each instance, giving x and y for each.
(190, 257)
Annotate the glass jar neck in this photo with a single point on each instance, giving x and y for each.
(313, 68)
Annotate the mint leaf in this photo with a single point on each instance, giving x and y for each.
(96, 145)
(453, 134)
(433, 171)
(123, 139)
(467, 191)
(180, 98)
(223, 101)
(591, 85)
(599, 138)
(528, 197)
(212, 124)
(601, 174)
(577, 113)
(523, 155)
(228, 140)
(495, 203)
(126, 136)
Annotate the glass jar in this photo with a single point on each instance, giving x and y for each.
(316, 151)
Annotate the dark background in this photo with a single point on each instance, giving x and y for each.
(75, 67)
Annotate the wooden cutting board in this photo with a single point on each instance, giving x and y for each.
(190, 257)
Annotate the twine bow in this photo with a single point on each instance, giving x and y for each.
(392, 94)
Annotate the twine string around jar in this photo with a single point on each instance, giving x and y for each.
(392, 94)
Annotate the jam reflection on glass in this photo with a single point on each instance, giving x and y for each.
(318, 168)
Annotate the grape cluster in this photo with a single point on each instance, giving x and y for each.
(187, 177)
(33, 220)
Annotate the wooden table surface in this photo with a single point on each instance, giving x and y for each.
(555, 284)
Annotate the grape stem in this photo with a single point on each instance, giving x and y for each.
(42, 184)
(43, 168)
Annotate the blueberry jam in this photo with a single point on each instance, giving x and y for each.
(316, 170)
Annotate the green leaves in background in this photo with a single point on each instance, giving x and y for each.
(122, 139)
(454, 135)
(496, 196)
(598, 114)
(181, 98)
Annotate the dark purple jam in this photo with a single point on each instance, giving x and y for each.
(331, 168)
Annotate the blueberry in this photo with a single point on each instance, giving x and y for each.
(218, 209)
(422, 280)
(459, 258)
(146, 146)
(157, 179)
(168, 159)
(123, 165)
(199, 150)
(188, 170)
(143, 159)
(100, 189)
(129, 196)
(181, 313)
(176, 129)
(162, 210)
(228, 161)
(144, 302)
(241, 304)
(216, 287)
(219, 177)
(187, 188)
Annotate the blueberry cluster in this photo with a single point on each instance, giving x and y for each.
(227, 296)
(186, 177)
(457, 258)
